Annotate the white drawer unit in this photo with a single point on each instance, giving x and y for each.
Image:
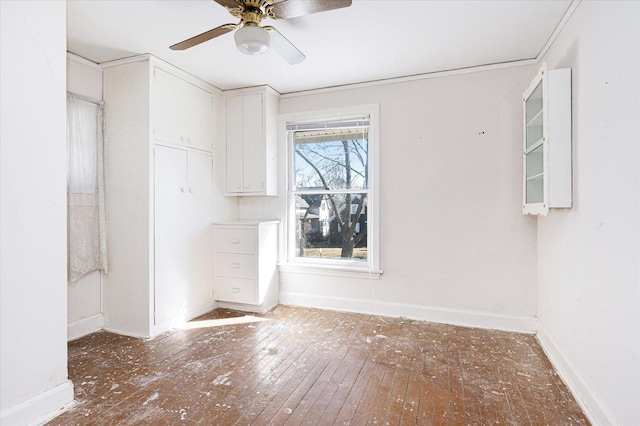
(246, 274)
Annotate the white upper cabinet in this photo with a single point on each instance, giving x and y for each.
(182, 112)
(547, 142)
(251, 130)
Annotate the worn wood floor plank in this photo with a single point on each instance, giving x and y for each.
(307, 366)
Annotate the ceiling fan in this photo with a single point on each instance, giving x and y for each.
(254, 39)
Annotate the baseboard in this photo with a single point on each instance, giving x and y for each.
(425, 313)
(256, 309)
(41, 408)
(590, 402)
(125, 333)
(201, 310)
(84, 326)
(158, 329)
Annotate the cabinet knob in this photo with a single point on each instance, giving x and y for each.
(181, 189)
(235, 289)
(235, 265)
(235, 241)
(190, 191)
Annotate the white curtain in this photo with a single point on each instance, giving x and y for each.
(87, 243)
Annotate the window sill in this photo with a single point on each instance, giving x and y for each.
(331, 270)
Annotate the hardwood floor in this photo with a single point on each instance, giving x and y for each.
(307, 366)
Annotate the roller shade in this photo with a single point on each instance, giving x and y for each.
(330, 130)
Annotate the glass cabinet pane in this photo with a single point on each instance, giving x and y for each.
(534, 135)
(535, 176)
(534, 103)
(533, 117)
(534, 162)
(534, 190)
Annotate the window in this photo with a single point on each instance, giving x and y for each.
(331, 220)
(87, 232)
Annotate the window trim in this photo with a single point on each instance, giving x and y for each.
(333, 267)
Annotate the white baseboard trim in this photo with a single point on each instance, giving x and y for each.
(84, 326)
(256, 309)
(158, 329)
(40, 408)
(425, 313)
(125, 333)
(590, 402)
(201, 310)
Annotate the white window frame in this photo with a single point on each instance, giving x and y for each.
(333, 267)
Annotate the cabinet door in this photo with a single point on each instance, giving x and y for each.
(534, 147)
(200, 230)
(235, 143)
(254, 143)
(197, 106)
(171, 233)
(182, 112)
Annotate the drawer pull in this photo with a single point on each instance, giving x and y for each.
(235, 289)
(235, 265)
(235, 241)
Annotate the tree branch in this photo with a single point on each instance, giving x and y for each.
(324, 183)
(324, 157)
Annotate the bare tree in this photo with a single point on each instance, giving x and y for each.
(335, 170)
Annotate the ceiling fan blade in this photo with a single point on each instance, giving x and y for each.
(286, 9)
(284, 47)
(231, 4)
(206, 36)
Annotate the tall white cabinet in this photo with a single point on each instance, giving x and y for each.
(159, 196)
(251, 141)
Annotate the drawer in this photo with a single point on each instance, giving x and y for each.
(233, 240)
(236, 265)
(238, 290)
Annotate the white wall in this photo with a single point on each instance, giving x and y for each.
(454, 245)
(589, 255)
(84, 296)
(33, 274)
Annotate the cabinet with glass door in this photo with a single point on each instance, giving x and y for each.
(547, 142)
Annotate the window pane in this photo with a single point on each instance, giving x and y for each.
(330, 164)
(331, 226)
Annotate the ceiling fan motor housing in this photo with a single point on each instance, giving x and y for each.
(252, 11)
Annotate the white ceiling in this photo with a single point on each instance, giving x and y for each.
(371, 40)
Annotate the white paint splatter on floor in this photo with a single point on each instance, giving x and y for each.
(222, 380)
(151, 398)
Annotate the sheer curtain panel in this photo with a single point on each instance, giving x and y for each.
(87, 243)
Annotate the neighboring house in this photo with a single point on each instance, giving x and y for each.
(319, 223)
(361, 227)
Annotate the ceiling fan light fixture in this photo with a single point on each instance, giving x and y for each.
(252, 40)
